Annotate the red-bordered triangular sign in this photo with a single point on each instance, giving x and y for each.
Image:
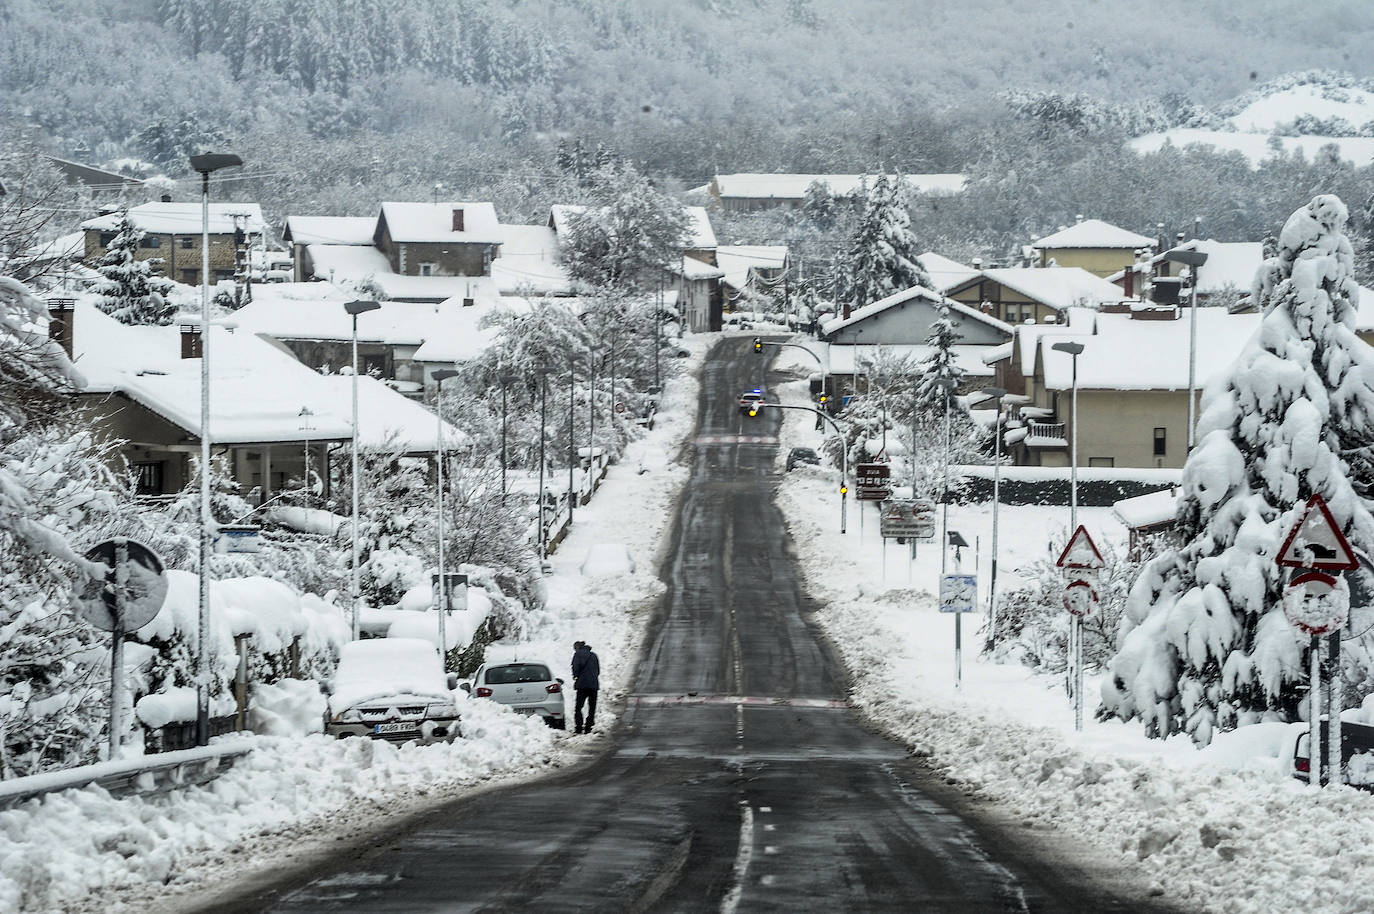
(1081, 552)
(1317, 542)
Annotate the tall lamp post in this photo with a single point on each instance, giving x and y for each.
(1193, 260)
(354, 308)
(572, 438)
(507, 380)
(440, 376)
(1076, 626)
(996, 393)
(205, 164)
(543, 425)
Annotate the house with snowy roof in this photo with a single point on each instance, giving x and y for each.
(897, 327)
(1096, 246)
(429, 252)
(750, 266)
(269, 414)
(945, 273)
(1225, 277)
(172, 234)
(742, 193)
(1132, 383)
(1018, 295)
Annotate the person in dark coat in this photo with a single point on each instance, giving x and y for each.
(586, 673)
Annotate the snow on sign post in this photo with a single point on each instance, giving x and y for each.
(1080, 561)
(1317, 603)
(958, 593)
(123, 600)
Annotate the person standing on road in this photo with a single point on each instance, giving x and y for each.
(586, 673)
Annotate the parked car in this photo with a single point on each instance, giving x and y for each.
(750, 399)
(1356, 739)
(800, 455)
(393, 689)
(526, 687)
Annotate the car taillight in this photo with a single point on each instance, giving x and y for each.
(553, 689)
(1302, 764)
(483, 692)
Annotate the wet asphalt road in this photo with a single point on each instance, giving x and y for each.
(737, 779)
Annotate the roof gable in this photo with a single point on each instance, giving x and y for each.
(1094, 233)
(417, 223)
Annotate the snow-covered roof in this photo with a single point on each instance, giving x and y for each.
(700, 235)
(386, 418)
(906, 295)
(841, 358)
(1127, 354)
(738, 259)
(793, 186)
(529, 258)
(1229, 264)
(433, 222)
(329, 229)
(1058, 287)
(944, 272)
(354, 263)
(1094, 233)
(1148, 509)
(182, 218)
(1079, 323)
(690, 268)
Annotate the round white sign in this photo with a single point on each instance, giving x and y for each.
(1316, 603)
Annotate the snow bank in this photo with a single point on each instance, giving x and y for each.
(289, 707)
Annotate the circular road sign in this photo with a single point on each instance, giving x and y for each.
(1316, 603)
(1080, 598)
(619, 406)
(140, 597)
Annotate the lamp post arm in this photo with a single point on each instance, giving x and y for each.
(797, 346)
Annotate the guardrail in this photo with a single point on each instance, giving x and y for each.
(150, 774)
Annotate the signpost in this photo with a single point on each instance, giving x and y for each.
(1080, 562)
(124, 600)
(1318, 603)
(907, 518)
(870, 481)
(238, 538)
(958, 593)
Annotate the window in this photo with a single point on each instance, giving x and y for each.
(106, 238)
(373, 365)
(1160, 449)
(186, 242)
(151, 241)
(148, 478)
(190, 277)
(222, 275)
(426, 269)
(518, 672)
(1101, 461)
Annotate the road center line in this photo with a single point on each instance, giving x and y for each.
(743, 856)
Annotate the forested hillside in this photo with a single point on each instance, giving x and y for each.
(338, 103)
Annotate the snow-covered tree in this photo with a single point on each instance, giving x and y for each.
(628, 232)
(883, 250)
(940, 364)
(1205, 643)
(130, 291)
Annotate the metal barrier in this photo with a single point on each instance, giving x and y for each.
(160, 773)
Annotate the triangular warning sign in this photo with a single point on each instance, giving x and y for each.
(1317, 542)
(1081, 552)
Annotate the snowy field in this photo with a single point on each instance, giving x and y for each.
(294, 798)
(1217, 830)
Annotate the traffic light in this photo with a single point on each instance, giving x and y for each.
(758, 345)
(822, 400)
(753, 410)
(844, 489)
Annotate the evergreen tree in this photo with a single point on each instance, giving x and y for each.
(130, 292)
(818, 204)
(883, 251)
(628, 232)
(940, 364)
(1205, 643)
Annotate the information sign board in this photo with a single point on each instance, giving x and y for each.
(870, 481)
(958, 593)
(907, 518)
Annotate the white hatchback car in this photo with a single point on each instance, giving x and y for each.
(525, 687)
(393, 689)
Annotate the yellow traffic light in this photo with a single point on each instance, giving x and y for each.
(753, 411)
(758, 345)
(822, 398)
(844, 490)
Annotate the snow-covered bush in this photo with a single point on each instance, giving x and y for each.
(1205, 645)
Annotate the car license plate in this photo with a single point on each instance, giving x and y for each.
(525, 710)
(394, 728)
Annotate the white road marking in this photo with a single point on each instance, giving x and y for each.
(730, 902)
(770, 849)
(768, 880)
(769, 827)
(765, 809)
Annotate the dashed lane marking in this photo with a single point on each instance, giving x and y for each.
(735, 439)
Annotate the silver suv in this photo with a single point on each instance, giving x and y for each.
(527, 688)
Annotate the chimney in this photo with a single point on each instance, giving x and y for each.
(62, 323)
(1078, 217)
(978, 263)
(458, 220)
(1129, 286)
(166, 198)
(190, 341)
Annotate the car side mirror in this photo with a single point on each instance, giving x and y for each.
(452, 681)
(560, 680)
(466, 687)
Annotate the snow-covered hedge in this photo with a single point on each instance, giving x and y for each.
(1097, 486)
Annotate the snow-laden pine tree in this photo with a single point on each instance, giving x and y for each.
(1205, 645)
(883, 250)
(940, 364)
(129, 290)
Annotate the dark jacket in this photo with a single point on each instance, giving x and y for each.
(586, 669)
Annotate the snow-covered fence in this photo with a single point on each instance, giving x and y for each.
(1097, 486)
(148, 774)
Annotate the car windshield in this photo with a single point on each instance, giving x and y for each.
(518, 672)
(803, 452)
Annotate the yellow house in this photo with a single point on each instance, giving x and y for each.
(1132, 379)
(1096, 246)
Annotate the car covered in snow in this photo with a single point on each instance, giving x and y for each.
(526, 687)
(393, 689)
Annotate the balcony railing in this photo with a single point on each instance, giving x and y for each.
(1046, 434)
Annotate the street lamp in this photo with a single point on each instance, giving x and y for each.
(1193, 260)
(506, 379)
(1076, 625)
(543, 426)
(305, 416)
(572, 438)
(996, 393)
(354, 308)
(205, 164)
(440, 376)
